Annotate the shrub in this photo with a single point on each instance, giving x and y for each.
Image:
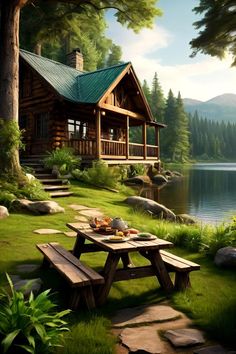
(99, 175)
(10, 139)
(64, 159)
(137, 170)
(29, 325)
(223, 236)
(32, 190)
(6, 198)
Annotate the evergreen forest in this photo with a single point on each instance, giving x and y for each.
(187, 136)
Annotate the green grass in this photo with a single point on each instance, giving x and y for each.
(210, 302)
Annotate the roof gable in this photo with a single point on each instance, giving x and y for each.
(72, 84)
(93, 85)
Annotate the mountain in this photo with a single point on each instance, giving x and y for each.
(218, 108)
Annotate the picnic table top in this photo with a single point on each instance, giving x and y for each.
(130, 245)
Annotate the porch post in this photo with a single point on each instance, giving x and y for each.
(157, 131)
(144, 141)
(127, 137)
(98, 132)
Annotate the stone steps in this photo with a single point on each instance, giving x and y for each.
(60, 194)
(55, 186)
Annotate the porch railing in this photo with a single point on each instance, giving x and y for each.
(136, 150)
(112, 149)
(83, 147)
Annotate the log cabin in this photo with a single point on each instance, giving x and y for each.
(91, 112)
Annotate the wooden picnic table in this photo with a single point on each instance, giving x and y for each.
(116, 251)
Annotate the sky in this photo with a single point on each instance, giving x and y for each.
(165, 49)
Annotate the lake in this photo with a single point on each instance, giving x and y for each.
(207, 191)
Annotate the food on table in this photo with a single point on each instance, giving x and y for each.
(144, 235)
(116, 238)
(133, 231)
(119, 233)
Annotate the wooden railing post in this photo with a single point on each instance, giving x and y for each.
(127, 137)
(157, 141)
(98, 133)
(144, 141)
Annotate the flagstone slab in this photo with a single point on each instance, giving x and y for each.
(215, 349)
(81, 218)
(184, 337)
(34, 286)
(27, 268)
(77, 207)
(47, 231)
(144, 314)
(92, 213)
(143, 340)
(15, 278)
(70, 233)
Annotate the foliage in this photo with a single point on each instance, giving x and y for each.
(157, 100)
(32, 190)
(10, 140)
(137, 169)
(31, 324)
(100, 174)
(63, 158)
(187, 237)
(217, 29)
(90, 336)
(6, 198)
(40, 24)
(211, 139)
(223, 236)
(58, 27)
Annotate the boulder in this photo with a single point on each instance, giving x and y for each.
(226, 257)
(3, 212)
(38, 207)
(177, 174)
(30, 177)
(138, 180)
(151, 206)
(186, 219)
(159, 179)
(184, 337)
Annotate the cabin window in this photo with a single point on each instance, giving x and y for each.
(41, 125)
(77, 129)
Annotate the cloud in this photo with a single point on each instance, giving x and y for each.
(145, 43)
(202, 77)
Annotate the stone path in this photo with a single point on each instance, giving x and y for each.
(159, 329)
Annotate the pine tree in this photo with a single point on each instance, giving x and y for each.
(146, 91)
(182, 145)
(168, 138)
(157, 100)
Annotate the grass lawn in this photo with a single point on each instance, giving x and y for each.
(211, 302)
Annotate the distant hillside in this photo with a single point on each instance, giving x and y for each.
(219, 108)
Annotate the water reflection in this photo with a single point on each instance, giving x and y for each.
(207, 191)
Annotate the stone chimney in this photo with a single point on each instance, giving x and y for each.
(75, 59)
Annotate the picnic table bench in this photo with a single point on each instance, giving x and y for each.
(80, 277)
(182, 267)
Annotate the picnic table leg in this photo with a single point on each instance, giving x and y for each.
(78, 247)
(160, 270)
(108, 274)
(126, 260)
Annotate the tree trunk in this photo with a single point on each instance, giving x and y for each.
(9, 72)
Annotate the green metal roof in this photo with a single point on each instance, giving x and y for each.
(72, 84)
